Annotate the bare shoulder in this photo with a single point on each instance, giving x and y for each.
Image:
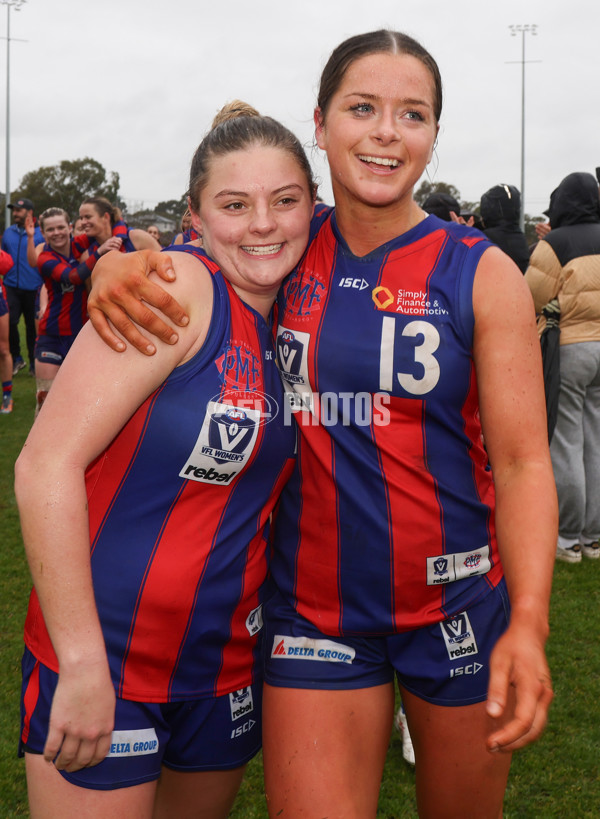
(193, 289)
(142, 240)
(500, 292)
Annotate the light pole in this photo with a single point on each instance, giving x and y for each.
(16, 4)
(523, 30)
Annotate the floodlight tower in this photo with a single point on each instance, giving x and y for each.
(16, 5)
(522, 30)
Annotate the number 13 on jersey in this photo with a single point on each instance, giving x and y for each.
(426, 373)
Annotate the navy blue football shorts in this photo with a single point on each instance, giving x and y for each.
(445, 663)
(214, 733)
(52, 349)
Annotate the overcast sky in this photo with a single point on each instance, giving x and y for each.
(135, 84)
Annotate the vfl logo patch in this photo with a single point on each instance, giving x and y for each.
(224, 445)
(241, 703)
(306, 648)
(292, 361)
(254, 621)
(448, 568)
(139, 742)
(459, 637)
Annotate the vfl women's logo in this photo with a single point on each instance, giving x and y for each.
(292, 360)
(290, 354)
(224, 445)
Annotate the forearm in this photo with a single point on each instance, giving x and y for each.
(31, 252)
(526, 527)
(53, 508)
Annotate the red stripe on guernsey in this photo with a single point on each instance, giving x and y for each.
(30, 699)
(36, 634)
(318, 267)
(114, 474)
(414, 513)
(469, 241)
(178, 595)
(64, 319)
(400, 275)
(327, 584)
(237, 652)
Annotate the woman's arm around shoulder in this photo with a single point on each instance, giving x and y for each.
(122, 293)
(509, 375)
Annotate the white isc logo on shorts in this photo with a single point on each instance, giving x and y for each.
(139, 742)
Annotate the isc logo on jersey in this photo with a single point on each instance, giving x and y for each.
(355, 284)
(459, 637)
(224, 445)
(241, 703)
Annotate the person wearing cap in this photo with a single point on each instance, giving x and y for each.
(22, 283)
(442, 205)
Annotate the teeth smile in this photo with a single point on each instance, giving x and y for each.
(266, 250)
(380, 160)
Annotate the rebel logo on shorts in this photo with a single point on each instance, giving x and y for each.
(241, 703)
(459, 636)
(224, 445)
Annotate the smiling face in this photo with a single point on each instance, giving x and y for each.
(57, 233)
(95, 225)
(379, 130)
(254, 218)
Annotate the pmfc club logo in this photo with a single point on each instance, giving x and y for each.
(239, 368)
(303, 292)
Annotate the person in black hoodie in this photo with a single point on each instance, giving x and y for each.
(500, 209)
(565, 265)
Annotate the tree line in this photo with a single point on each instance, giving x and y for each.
(67, 184)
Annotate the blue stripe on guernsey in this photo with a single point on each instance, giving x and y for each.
(391, 473)
(179, 560)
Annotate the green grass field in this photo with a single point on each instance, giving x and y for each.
(557, 777)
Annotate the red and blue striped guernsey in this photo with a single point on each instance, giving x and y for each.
(388, 521)
(179, 505)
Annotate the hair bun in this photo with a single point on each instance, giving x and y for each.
(233, 110)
